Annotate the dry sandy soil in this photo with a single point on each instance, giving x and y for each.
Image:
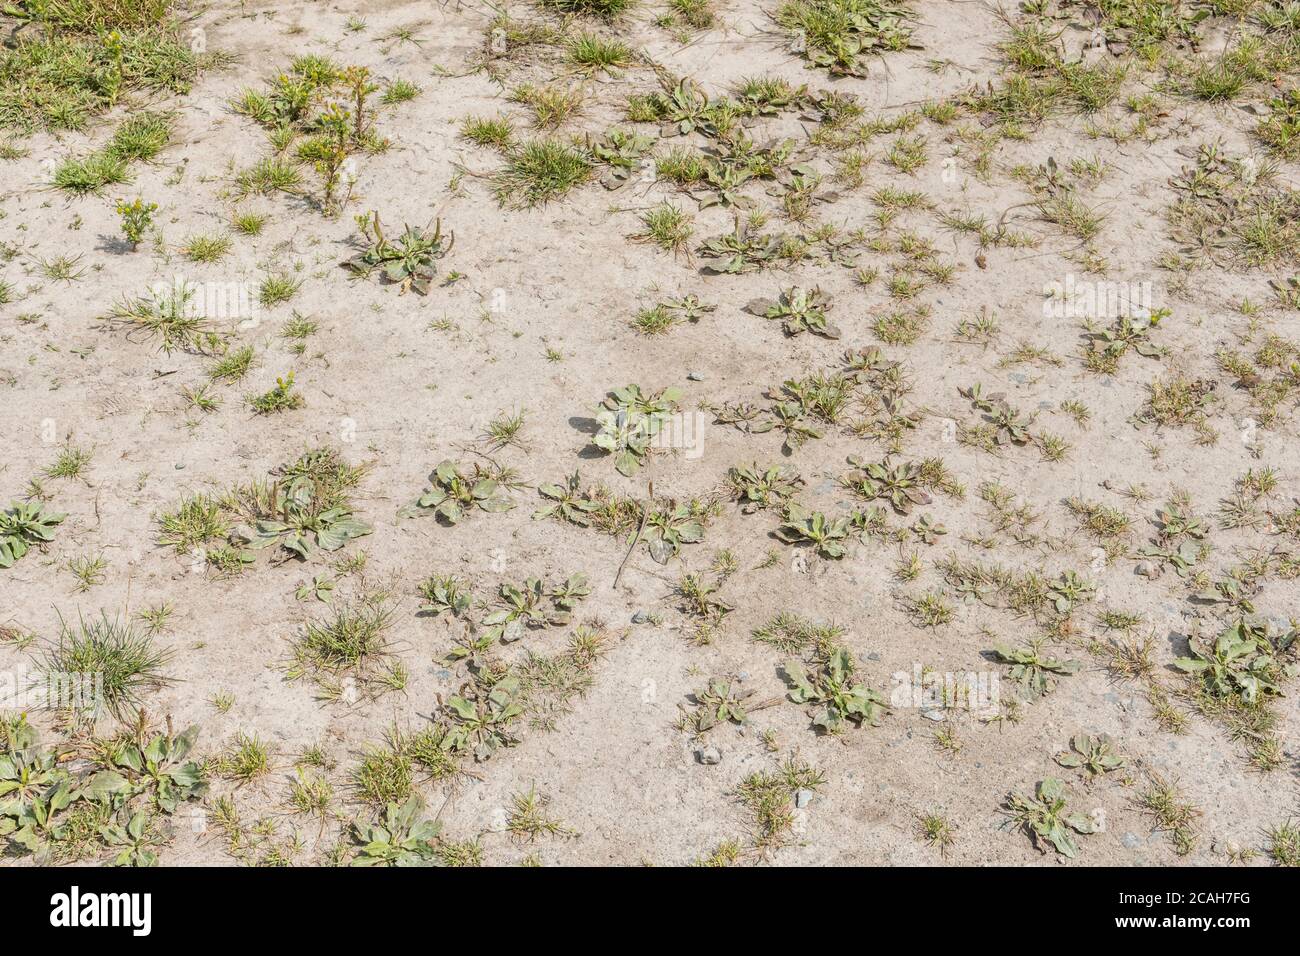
(533, 310)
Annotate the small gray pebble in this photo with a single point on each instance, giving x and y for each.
(694, 377)
(640, 617)
(802, 798)
(709, 756)
(1131, 841)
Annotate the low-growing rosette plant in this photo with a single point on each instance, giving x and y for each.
(401, 839)
(456, 491)
(534, 605)
(480, 718)
(567, 502)
(1243, 662)
(667, 529)
(409, 262)
(799, 310)
(758, 488)
(832, 688)
(159, 768)
(827, 536)
(23, 525)
(901, 485)
(1045, 818)
(1032, 668)
(300, 524)
(1094, 755)
(630, 419)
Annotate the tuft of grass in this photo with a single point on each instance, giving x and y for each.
(95, 16)
(89, 571)
(668, 227)
(167, 316)
(350, 639)
(70, 463)
(276, 288)
(247, 758)
(1280, 130)
(769, 798)
(111, 656)
(696, 14)
(269, 175)
(936, 831)
(197, 520)
(249, 223)
(65, 70)
(540, 171)
(206, 248)
(383, 776)
(1284, 843)
(1217, 81)
(233, 366)
(400, 91)
(654, 321)
(551, 105)
(726, 853)
(528, 819)
(62, 268)
(91, 174)
(1172, 815)
(604, 9)
(682, 166)
(592, 52)
(497, 131)
(141, 137)
(311, 795)
(505, 428)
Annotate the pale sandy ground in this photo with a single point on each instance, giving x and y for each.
(395, 394)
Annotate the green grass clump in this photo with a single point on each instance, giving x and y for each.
(140, 138)
(1280, 130)
(82, 57)
(212, 247)
(349, 639)
(196, 521)
(604, 9)
(592, 52)
(540, 171)
(115, 659)
(98, 16)
(497, 131)
(267, 176)
(667, 226)
(696, 14)
(400, 91)
(91, 174)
